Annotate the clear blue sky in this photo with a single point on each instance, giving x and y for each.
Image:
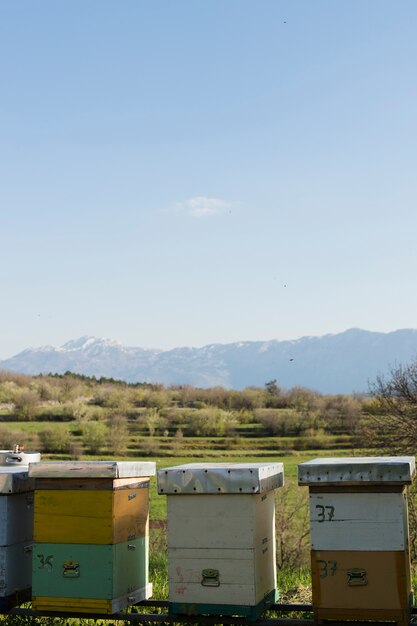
(185, 172)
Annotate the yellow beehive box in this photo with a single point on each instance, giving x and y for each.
(104, 511)
(359, 537)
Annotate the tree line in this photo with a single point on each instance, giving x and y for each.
(105, 409)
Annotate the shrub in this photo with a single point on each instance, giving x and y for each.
(26, 403)
(94, 436)
(118, 433)
(150, 447)
(212, 422)
(54, 440)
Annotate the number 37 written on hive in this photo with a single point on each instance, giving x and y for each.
(324, 513)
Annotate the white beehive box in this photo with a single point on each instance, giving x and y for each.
(16, 526)
(359, 536)
(221, 536)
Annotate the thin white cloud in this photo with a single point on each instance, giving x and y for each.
(200, 206)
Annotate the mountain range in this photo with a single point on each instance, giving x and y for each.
(337, 363)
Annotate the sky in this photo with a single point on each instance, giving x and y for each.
(179, 173)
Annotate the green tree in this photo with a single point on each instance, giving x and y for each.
(55, 440)
(94, 436)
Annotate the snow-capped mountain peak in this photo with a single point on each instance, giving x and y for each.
(333, 363)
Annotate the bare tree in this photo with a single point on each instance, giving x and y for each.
(392, 416)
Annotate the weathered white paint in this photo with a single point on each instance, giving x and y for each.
(16, 518)
(244, 576)
(15, 568)
(220, 521)
(358, 521)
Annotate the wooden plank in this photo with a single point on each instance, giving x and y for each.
(264, 517)
(73, 517)
(91, 469)
(189, 568)
(130, 514)
(131, 564)
(360, 580)
(15, 568)
(343, 488)
(92, 575)
(92, 484)
(214, 553)
(16, 518)
(96, 517)
(227, 594)
(102, 572)
(252, 569)
(91, 605)
(265, 569)
(220, 521)
(72, 605)
(358, 521)
(15, 480)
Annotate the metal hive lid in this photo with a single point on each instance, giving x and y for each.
(222, 478)
(367, 470)
(92, 469)
(15, 480)
(18, 457)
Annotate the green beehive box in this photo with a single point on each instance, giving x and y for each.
(79, 577)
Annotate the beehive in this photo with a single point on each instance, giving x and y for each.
(16, 527)
(359, 537)
(91, 533)
(221, 537)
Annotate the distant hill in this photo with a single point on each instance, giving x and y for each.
(340, 363)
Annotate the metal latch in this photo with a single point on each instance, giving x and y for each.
(356, 577)
(71, 569)
(210, 578)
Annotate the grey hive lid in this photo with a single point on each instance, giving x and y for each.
(220, 478)
(92, 469)
(368, 470)
(15, 480)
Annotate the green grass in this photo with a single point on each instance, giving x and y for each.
(36, 427)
